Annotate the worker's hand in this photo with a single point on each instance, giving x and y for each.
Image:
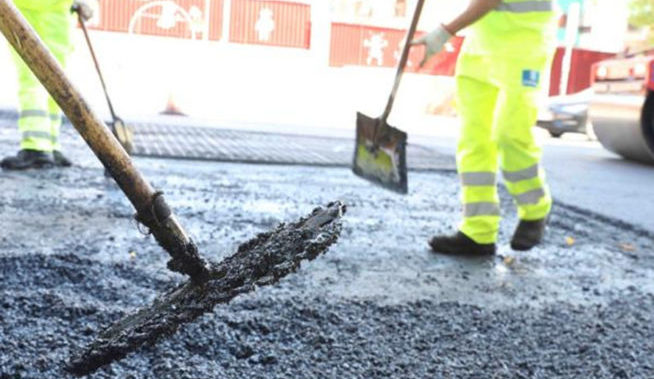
(83, 8)
(433, 41)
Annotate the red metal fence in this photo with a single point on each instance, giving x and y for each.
(179, 18)
(276, 23)
(267, 22)
(288, 24)
(216, 20)
(363, 45)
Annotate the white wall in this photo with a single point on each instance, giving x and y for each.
(234, 82)
(608, 22)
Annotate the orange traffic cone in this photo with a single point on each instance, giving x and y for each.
(171, 107)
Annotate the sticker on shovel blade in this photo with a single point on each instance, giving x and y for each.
(380, 162)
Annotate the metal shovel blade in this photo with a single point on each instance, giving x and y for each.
(380, 154)
(262, 261)
(124, 134)
(380, 150)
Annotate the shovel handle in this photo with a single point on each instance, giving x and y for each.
(150, 205)
(404, 58)
(82, 24)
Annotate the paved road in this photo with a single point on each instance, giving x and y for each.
(593, 178)
(581, 172)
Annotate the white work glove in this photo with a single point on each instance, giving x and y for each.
(434, 42)
(83, 8)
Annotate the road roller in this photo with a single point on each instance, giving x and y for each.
(622, 105)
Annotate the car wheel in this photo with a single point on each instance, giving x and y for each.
(556, 133)
(647, 121)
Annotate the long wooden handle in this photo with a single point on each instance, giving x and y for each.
(404, 58)
(82, 23)
(150, 206)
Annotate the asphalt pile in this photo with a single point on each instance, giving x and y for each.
(265, 336)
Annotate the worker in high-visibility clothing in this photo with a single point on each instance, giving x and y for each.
(39, 116)
(500, 76)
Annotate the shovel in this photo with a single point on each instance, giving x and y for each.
(380, 149)
(261, 261)
(122, 132)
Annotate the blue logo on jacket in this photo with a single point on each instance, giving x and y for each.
(530, 78)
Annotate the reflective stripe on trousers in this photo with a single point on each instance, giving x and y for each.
(36, 134)
(481, 208)
(525, 174)
(54, 140)
(39, 113)
(480, 202)
(472, 179)
(481, 178)
(33, 124)
(528, 195)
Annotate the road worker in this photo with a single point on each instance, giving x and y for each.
(39, 116)
(500, 76)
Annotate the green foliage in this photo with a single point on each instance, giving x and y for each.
(641, 14)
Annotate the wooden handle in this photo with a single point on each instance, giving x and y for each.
(404, 58)
(43, 64)
(82, 23)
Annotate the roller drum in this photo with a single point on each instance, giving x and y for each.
(625, 128)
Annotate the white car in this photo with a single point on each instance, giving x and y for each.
(565, 114)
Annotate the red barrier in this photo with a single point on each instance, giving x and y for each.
(381, 47)
(276, 23)
(179, 18)
(363, 45)
(580, 73)
(282, 23)
(216, 20)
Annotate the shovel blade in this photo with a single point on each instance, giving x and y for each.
(382, 162)
(263, 260)
(124, 134)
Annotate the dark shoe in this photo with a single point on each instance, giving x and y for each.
(528, 234)
(28, 159)
(61, 160)
(460, 244)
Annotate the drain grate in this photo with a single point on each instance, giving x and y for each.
(225, 145)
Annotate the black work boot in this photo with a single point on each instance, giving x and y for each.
(28, 159)
(528, 234)
(460, 244)
(60, 159)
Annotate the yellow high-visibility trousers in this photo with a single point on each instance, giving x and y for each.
(40, 117)
(497, 100)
